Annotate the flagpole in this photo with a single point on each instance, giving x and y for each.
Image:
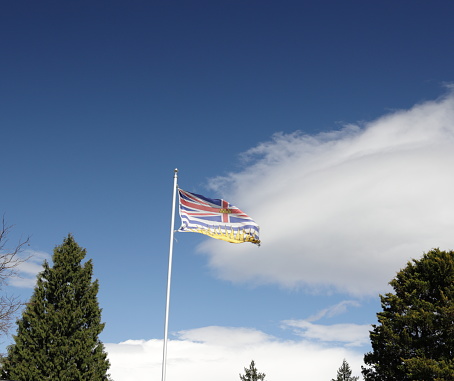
(169, 276)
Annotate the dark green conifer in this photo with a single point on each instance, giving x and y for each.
(57, 336)
(344, 373)
(414, 339)
(252, 374)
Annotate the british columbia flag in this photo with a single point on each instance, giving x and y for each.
(216, 218)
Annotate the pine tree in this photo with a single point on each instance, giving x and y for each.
(252, 374)
(344, 373)
(57, 336)
(414, 339)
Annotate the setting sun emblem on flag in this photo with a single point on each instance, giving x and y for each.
(216, 218)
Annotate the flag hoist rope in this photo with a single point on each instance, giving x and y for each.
(169, 276)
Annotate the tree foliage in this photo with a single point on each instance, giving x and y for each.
(251, 374)
(57, 337)
(414, 339)
(344, 373)
(9, 261)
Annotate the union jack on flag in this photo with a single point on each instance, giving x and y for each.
(216, 218)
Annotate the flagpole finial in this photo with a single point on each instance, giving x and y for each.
(176, 170)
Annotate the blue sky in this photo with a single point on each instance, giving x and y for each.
(331, 123)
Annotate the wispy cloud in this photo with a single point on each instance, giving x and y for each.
(335, 310)
(349, 334)
(29, 269)
(225, 352)
(344, 210)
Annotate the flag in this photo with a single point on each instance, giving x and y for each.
(216, 218)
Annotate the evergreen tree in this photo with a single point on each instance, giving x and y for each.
(344, 373)
(414, 339)
(57, 337)
(252, 374)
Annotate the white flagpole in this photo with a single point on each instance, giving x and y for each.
(169, 276)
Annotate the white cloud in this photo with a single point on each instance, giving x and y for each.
(335, 310)
(29, 269)
(222, 353)
(350, 334)
(345, 210)
(225, 336)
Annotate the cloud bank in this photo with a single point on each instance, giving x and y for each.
(222, 353)
(344, 210)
